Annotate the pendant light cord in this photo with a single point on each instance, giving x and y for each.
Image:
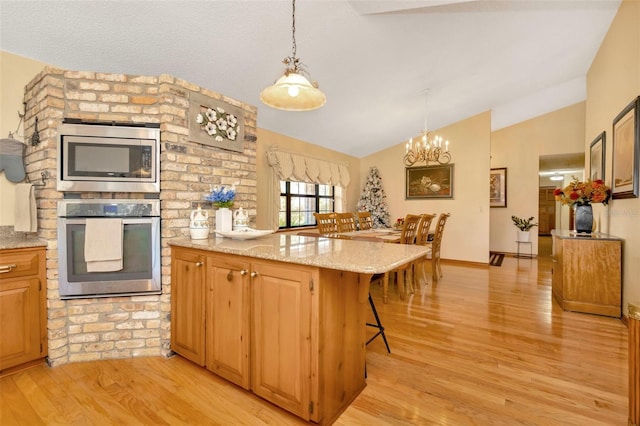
(293, 27)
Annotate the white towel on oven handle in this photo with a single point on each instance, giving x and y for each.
(103, 245)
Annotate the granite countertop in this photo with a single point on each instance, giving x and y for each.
(12, 240)
(332, 253)
(583, 236)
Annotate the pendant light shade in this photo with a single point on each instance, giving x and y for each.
(293, 92)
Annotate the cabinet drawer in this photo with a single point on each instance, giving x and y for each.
(19, 263)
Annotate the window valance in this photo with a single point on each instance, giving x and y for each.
(302, 168)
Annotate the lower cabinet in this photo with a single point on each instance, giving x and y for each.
(257, 324)
(23, 327)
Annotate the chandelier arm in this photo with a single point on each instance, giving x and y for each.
(444, 158)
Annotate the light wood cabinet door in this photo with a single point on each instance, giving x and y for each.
(22, 307)
(228, 318)
(20, 319)
(281, 325)
(188, 304)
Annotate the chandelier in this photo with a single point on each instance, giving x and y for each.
(428, 150)
(293, 91)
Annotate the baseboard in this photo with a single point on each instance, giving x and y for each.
(464, 263)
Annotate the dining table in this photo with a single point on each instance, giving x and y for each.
(384, 235)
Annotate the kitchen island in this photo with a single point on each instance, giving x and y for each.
(282, 315)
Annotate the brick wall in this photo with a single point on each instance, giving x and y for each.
(120, 327)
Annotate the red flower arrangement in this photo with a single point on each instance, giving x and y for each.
(583, 193)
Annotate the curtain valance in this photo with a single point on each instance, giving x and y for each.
(301, 168)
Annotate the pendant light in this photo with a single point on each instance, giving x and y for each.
(293, 91)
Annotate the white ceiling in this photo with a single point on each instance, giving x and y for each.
(373, 59)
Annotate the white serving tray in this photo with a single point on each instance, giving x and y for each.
(245, 234)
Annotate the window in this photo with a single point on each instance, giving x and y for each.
(299, 200)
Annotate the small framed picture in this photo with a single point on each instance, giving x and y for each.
(597, 154)
(498, 187)
(626, 152)
(429, 182)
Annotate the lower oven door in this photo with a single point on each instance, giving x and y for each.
(141, 261)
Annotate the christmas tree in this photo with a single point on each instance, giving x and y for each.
(373, 200)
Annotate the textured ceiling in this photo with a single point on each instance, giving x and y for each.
(373, 59)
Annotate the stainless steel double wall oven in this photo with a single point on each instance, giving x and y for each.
(121, 160)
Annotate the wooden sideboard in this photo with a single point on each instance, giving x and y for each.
(587, 273)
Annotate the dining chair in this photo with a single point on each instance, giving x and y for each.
(326, 223)
(346, 222)
(365, 221)
(434, 253)
(422, 238)
(408, 236)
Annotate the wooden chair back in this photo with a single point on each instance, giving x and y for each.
(410, 228)
(326, 223)
(346, 222)
(437, 238)
(422, 235)
(365, 221)
(434, 254)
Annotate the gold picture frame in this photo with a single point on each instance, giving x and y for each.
(429, 182)
(626, 152)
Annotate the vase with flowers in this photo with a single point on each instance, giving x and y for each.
(580, 195)
(222, 197)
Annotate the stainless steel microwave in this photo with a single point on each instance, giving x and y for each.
(106, 158)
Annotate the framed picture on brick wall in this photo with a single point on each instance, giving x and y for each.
(215, 123)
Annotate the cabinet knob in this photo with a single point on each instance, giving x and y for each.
(254, 274)
(199, 263)
(244, 272)
(7, 268)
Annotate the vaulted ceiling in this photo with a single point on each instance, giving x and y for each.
(373, 59)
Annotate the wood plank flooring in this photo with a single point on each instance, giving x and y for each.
(484, 346)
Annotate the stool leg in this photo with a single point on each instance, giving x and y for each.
(377, 325)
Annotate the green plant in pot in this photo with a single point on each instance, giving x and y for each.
(524, 226)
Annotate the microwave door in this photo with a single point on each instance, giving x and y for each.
(106, 159)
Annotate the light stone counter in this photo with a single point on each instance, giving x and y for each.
(14, 240)
(564, 234)
(331, 253)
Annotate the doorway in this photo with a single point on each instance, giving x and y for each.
(546, 210)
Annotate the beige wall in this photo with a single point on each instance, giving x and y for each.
(612, 82)
(266, 139)
(15, 73)
(518, 148)
(466, 234)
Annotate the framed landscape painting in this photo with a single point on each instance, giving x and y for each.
(498, 187)
(626, 152)
(597, 154)
(429, 182)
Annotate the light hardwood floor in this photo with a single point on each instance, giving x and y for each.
(484, 346)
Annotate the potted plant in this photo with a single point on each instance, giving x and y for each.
(524, 226)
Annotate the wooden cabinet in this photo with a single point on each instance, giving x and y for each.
(281, 357)
(264, 324)
(587, 273)
(188, 304)
(227, 322)
(23, 319)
